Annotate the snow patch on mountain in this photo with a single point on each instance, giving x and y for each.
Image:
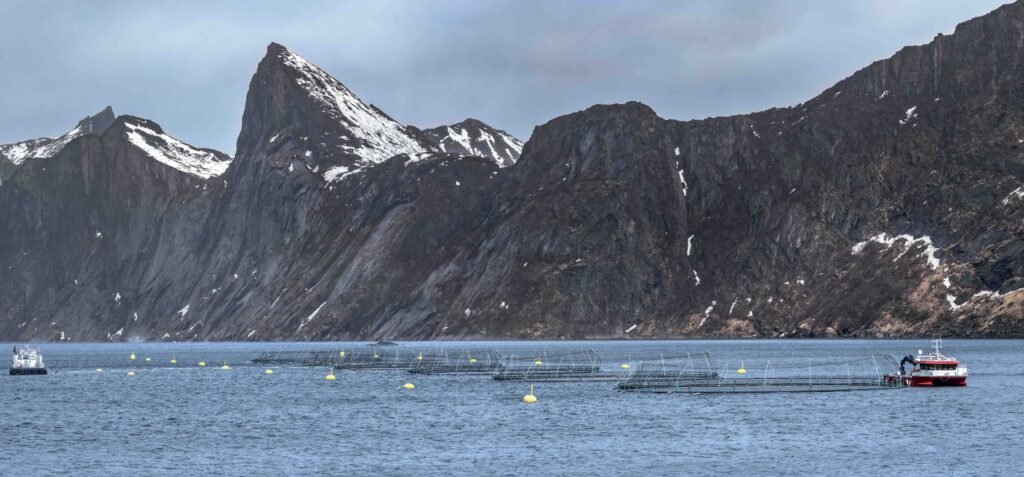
(1017, 193)
(311, 316)
(909, 242)
(175, 153)
(474, 138)
(375, 136)
(41, 148)
(47, 147)
(338, 173)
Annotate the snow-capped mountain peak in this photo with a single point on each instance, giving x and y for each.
(46, 147)
(372, 135)
(156, 144)
(474, 138)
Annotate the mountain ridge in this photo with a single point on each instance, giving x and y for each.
(870, 210)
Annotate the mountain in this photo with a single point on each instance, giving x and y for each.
(296, 110)
(888, 205)
(13, 155)
(474, 138)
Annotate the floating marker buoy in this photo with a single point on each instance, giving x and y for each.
(269, 371)
(409, 386)
(472, 360)
(330, 376)
(538, 362)
(99, 370)
(174, 360)
(624, 366)
(202, 363)
(375, 356)
(420, 357)
(131, 373)
(741, 370)
(530, 398)
(132, 357)
(225, 366)
(341, 353)
(148, 360)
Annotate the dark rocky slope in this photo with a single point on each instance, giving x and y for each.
(887, 206)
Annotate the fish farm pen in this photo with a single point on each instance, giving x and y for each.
(386, 358)
(579, 365)
(297, 358)
(466, 362)
(368, 358)
(644, 372)
(812, 376)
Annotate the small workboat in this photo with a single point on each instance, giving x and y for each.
(27, 360)
(933, 369)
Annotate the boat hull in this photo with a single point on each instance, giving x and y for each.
(27, 371)
(937, 381)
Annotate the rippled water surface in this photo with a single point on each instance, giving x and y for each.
(185, 419)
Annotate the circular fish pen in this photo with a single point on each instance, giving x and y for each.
(829, 374)
(553, 366)
(465, 362)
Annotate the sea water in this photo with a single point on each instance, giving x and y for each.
(188, 420)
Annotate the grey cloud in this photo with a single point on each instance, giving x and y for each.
(514, 64)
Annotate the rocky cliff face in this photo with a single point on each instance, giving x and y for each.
(889, 205)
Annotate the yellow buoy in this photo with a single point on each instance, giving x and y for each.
(225, 366)
(131, 373)
(330, 376)
(341, 353)
(174, 360)
(409, 386)
(132, 357)
(624, 366)
(202, 363)
(530, 398)
(741, 370)
(538, 362)
(472, 360)
(420, 357)
(269, 371)
(375, 356)
(99, 370)
(148, 360)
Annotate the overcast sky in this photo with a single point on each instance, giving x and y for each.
(514, 65)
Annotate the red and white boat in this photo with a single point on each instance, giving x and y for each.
(933, 369)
